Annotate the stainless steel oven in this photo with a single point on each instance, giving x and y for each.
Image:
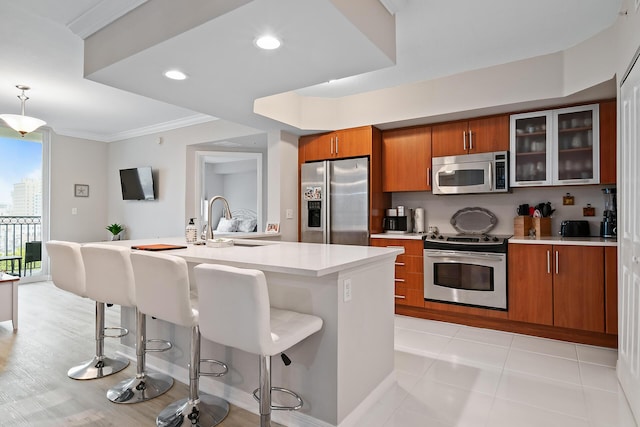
(470, 267)
(469, 277)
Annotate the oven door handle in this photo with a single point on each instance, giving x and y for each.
(466, 255)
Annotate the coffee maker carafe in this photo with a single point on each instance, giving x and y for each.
(608, 226)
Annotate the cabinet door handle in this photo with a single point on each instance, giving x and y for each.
(336, 145)
(332, 145)
(464, 140)
(556, 263)
(399, 280)
(470, 140)
(400, 264)
(400, 297)
(429, 177)
(548, 262)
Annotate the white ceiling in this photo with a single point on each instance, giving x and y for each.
(41, 40)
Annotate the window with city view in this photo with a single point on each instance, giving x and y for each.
(20, 202)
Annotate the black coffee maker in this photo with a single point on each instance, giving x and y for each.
(608, 227)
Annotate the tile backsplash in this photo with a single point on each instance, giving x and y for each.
(440, 209)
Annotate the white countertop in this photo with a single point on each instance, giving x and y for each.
(306, 259)
(557, 240)
(407, 236)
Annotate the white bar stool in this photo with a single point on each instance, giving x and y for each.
(110, 278)
(162, 291)
(67, 273)
(235, 312)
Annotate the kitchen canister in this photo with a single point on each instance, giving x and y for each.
(418, 220)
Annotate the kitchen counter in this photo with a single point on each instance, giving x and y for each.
(558, 240)
(408, 236)
(339, 371)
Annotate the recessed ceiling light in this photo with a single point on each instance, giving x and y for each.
(175, 75)
(268, 42)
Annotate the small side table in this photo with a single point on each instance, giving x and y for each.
(9, 299)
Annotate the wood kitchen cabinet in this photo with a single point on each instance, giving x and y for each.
(559, 285)
(608, 121)
(406, 159)
(530, 286)
(339, 144)
(611, 289)
(409, 275)
(563, 146)
(481, 135)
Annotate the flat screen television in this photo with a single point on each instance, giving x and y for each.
(137, 184)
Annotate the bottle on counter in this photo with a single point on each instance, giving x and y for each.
(191, 232)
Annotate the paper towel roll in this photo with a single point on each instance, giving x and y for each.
(419, 220)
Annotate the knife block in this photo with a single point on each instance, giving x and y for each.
(542, 227)
(522, 225)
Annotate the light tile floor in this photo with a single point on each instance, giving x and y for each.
(451, 375)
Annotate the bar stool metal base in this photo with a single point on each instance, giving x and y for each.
(140, 388)
(98, 367)
(208, 412)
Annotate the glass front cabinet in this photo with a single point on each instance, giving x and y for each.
(555, 147)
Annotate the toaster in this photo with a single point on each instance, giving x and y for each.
(574, 228)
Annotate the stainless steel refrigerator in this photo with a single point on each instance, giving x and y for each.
(335, 201)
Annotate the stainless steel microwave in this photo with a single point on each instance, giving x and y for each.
(471, 173)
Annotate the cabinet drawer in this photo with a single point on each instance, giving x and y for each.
(411, 247)
(411, 280)
(408, 264)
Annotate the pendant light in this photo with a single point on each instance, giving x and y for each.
(19, 122)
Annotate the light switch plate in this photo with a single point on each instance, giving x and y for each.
(289, 213)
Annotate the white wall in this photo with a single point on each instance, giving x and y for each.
(283, 183)
(440, 209)
(78, 161)
(174, 171)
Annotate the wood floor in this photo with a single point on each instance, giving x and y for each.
(55, 333)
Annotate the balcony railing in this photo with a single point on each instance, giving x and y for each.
(15, 232)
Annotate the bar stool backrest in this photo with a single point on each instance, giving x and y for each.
(109, 274)
(234, 310)
(67, 269)
(162, 287)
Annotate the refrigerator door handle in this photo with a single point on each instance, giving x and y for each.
(326, 217)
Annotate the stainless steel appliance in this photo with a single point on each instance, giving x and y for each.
(398, 220)
(468, 268)
(335, 201)
(608, 226)
(397, 224)
(471, 173)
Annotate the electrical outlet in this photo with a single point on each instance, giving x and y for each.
(347, 290)
(74, 211)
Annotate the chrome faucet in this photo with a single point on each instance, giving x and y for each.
(225, 211)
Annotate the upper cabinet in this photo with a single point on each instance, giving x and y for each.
(556, 147)
(339, 144)
(406, 159)
(482, 135)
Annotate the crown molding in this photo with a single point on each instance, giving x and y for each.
(101, 15)
(134, 133)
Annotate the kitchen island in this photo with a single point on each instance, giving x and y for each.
(339, 371)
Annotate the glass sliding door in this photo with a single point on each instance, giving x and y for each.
(22, 203)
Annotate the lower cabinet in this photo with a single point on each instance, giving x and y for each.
(559, 285)
(409, 276)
